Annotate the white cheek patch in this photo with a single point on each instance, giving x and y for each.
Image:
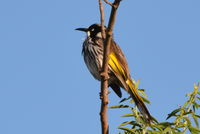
(99, 35)
(88, 33)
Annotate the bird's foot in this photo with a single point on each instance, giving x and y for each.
(104, 75)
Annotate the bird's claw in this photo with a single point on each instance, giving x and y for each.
(104, 75)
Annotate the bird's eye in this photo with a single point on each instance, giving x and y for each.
(92, 29)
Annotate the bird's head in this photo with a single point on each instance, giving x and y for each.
(92, 31)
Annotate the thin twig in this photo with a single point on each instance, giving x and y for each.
(104, 74)
(101, 9)
(108, 2)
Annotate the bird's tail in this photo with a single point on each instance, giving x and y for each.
(128, 85)
(138, 101)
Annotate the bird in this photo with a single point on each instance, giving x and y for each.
(118, 71)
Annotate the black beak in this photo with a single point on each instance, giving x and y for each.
(82, 29)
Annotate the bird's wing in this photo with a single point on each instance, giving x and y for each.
(117, 69)
(119, 66)
(120, 58)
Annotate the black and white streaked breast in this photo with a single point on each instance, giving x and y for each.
(93, 55)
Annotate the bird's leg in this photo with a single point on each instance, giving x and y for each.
(104, 74)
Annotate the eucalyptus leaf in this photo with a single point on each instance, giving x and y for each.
(127, 129)
(125, 99)
(173, 113)
(145, 100)
(195, 118)
(119, 106)
(167, 130)
(194, 130)
(128, 115)
(198, 116)
(127, 123)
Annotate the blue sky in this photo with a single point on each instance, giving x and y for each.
(45, 86)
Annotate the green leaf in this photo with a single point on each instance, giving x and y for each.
(127, 129)
(166, 124)
(180, 125)
(136, 83)
(128, 115)
(194, 130)
(186, 113)
(126, 123)
(142, 92)
(173, 113)
(124, 99)
(168, 130)
(198, 116)
(154, 120)
(194, 108)
(186, 103)
(196, 105)
(131, 101)
(195, 118)
(196, 87)
(178, 133)
(188, 120)
(162, 125)
(189, 94)
(154, 132)
(145, 100)
(119, 106)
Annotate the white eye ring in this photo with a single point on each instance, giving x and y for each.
(92, 29)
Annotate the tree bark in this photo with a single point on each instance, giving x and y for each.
(104, 73)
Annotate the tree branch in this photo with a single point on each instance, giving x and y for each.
(101, 9)
(104, 74)
(109, 3)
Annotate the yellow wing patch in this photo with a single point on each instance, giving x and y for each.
(114, 64)
(117, 68)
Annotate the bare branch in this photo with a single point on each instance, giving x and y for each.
(104, 82)
(108, 2)
(104, 74)
(101, 9)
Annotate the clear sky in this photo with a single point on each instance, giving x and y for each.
(45, 87)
